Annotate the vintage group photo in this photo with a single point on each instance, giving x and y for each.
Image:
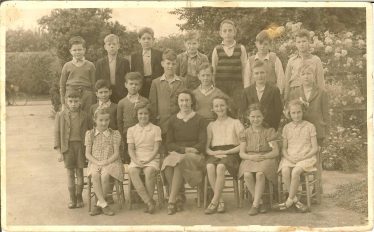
(176, 117)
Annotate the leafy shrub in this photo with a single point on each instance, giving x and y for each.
(32, 71)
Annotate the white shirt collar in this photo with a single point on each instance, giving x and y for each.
(229, 46)
(112, 58)
(104, 104)
(106, 133)
(175, 78)
(75, 61)
(146, 52)
(133, 97)
(206, 91)
(267, 57)
(145, 128)
(187, 117)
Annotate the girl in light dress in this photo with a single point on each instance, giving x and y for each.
(299, 153)
(258, 150)
(144, 141)
(102, 152)
(222, 149)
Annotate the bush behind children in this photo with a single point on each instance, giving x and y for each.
(154, 108)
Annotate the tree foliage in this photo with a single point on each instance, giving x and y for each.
(21, 40)
(92, 24)
(251, 21)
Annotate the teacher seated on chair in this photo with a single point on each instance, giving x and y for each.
(185, 141)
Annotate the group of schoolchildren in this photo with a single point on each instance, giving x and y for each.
(205, 119)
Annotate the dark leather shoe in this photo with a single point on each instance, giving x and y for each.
(95, 211)
(212, 208)
(107, 211)
(151, 206)
(171, 209)
(253, 211)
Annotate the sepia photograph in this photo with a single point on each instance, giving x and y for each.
(186, 116)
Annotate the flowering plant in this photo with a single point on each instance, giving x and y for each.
(343, 57)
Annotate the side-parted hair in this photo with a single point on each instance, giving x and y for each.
(189, 92)
(302, 33)
(228, 103)
(169, 54)
(204, 66)
(130, 76)
(263, 36)
(110, 38)
(227, 21)
(191, 35)
(102, 84)
(147, 30)
(142, 105)
(99, 110)
(255, 107)
(258, 63)
(73, 94)
(77, 40)
(295, 102)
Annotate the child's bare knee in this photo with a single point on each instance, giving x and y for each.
(260, 175)
(210, 167)
(247, 175)
(221, 169)
(133, 171)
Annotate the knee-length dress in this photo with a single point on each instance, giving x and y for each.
(182, 133)
(144, 139)
(225, 136)
(258, 143)
(299, 140)
(102, 148)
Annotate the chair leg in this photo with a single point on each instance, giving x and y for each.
(236, 192)
(199, 190)
(307, 186)
(160, 191)
(118, 185)
(280, 191)
(241, 193)
(129, 190)
(205, 191)
(318, 190)
(271, 192)
(89, 185)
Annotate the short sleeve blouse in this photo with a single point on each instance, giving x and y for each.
(258, 141)
(103, 143)
(144, 138)
(298, 138)
(225, 132)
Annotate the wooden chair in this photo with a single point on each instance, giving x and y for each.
(119, 192)
(310, 183)
(244, 192)
(234, 188)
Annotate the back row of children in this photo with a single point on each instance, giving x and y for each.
(156, 79)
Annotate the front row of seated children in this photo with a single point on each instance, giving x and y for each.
(227, 142)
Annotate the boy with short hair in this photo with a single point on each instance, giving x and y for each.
(264, 93)
(78, 74)
(273, 65)
(189, 61)
(164, 91)
(148, 60)
(113, 68)
(103, 93)
(206, 92)
(293, 80)
(229, 63)
(126, 116)
(71, 125)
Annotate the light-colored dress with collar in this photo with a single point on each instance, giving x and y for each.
(299, 138)
(144, 139)
(102, 148)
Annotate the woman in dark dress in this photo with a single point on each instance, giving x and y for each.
(185, 143)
